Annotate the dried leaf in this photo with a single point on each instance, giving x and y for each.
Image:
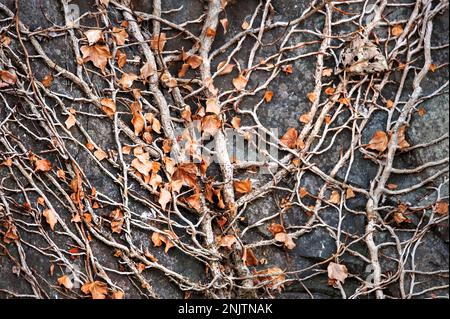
(158, 42)
(65, 281)
(138, 123)
(349, 193)
(225, 25)
(165, 197)
(70, 121)
(93, 36)
(290, 138)
(274, 276)
(119, 35)
(47, 80)
(305, 118)
(121, 58)
(127, 80)
(288, 69)
(240, 82)
(228, 241)
(236, 122)
(337, 272)
(100, 154)
(211, 124)
(276, 229)
(97, 289)
(312, 96)
(379, 142)
(401, 138)
(268, 96)
(147, 71)
(397, 30)
(108, 106)
(43, 165)
(117, 221)
(243, 187)
(441, 208)
(194, 61)
(286, 239)
(335, 197)
(327, 72)
(225, 68)
(97, 54)
(249, 258)
(8, 78)
(330, 90)
(50, 217)
(212, 106)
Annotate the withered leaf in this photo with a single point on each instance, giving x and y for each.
(227, 241)
(337, 272)
(240, 82)
(243, 187)
(65, 281)
(93, 36)
(379, 142)
(119, 35)
(43, 165)
(97, 289)
(97, 54)
(108, 106)
(50, 217)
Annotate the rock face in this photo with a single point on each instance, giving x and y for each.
(316, 245)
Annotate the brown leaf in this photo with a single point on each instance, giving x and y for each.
(396, 30)
(379, 142)
(97, 54)
(421, 111)
(147, 71)
(43, 165)
(401, 138)
(225, 24)
(117, 221)
(349, 193)
(108, 106)
(93, 36)
(330, 90)
(240, 82)
(288, 69)
(118, 294)
(243, 187)
(158, 42)
(389, 104)
(65, 281)
(47, 80)
(274, 276)
(138, 123)
(187, 173)
(335, 197)
(119, 35)
(194, 61)
(290, 138)
(212, 106)
(249, 258)
(441, 208)
(276, 229)
(8, 78)
(121, 58)
(268, 96)
(50, 217)
(305, 118)
(245, 25)
(210, 32)
(97, 289)
(228, 241)
(70, 121)
(286, 239)
(236, 122)
(223, 68)
(100, 154)
(165, 197)
(312, 96)
(337, 272)
(211, 124)
(127, 80)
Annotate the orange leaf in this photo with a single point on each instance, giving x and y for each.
(158, 42)
(379, 141)
(290, 138)
(268, 96)
(243, 187)
(223, 68)
(397, 30)
(164, 197)
(441, 208)
(240, 82)
(119, 35)
(335, 197)
(43, 165)
(108, 106)
(337, 272)
(228, 241)
(65, 281)
(97, 54)
(50, 217)
(312, 97)
(97, 289)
